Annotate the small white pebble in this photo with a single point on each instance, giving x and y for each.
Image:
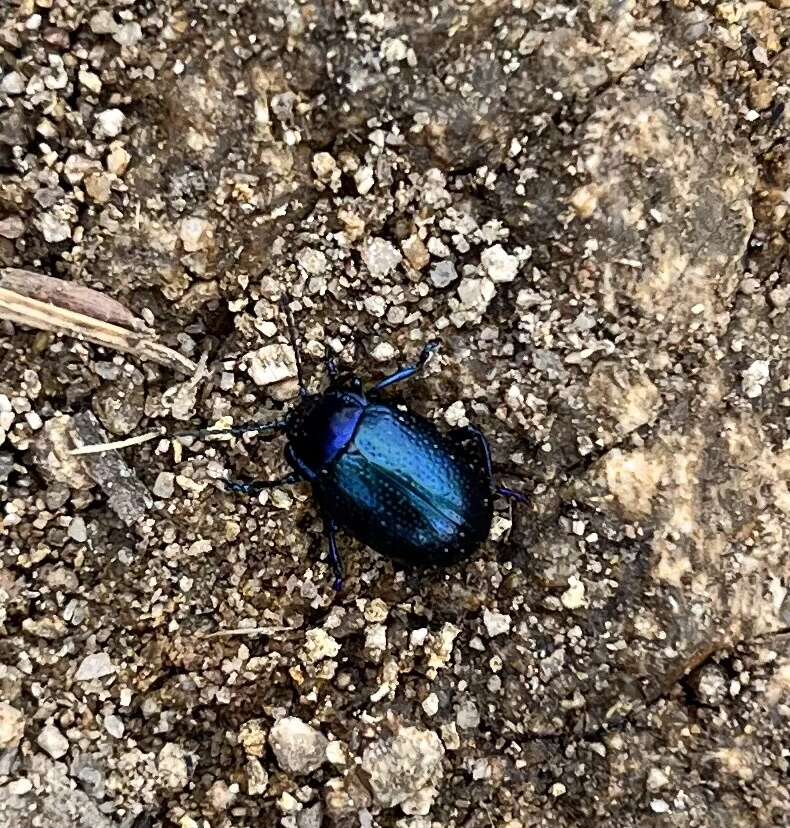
(20, 787)
(33, 420)
(77, 530)
(53, 742)
(431, 704)
(383, 352)
(109, 123)
(114, 726)
(573, 597)
(496, 623)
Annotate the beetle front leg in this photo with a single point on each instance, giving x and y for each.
(406, 373)
(255, 487)
(330, 528)
(330, 363)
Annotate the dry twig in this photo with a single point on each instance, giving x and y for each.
(47, 304)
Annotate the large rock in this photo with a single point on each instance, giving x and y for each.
(404, 770)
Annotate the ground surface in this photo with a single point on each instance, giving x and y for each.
(588, 205)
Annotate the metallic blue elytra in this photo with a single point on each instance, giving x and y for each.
(385, 475)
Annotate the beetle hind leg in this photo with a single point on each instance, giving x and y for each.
(482, 456)
(480, 451)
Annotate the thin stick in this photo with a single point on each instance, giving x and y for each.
(44, 316)
(96, 448)
(247, 631)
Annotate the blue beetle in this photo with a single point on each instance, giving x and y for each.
(385, 475)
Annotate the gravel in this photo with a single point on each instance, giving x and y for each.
(587, 205)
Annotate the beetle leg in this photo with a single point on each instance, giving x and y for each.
(511, 494)
(255, 487)
(302, 470)
(334, 556)
(331, 368)
(409, 371)
(468, 433)
(471, 433)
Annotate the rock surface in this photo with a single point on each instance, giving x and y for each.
(587, 204)
(298, 747)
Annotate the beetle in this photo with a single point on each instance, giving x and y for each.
(383, 474)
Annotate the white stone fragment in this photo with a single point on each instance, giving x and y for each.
(103, 23)
(114, 726)
(129, 34)
(319, 645)
(12, 726)
(402, 768)
(13, 83)
(95, 666)
(172, 766)
(311, 261)
(12, 227)
(375, 305)
(476, 293)
(381, 256)
(194, 233)
(755, 377)
(109, 123)
(496, 623)
(430, 704)
(364, 180)
(383, 352)
(53, 228)
(500, 265)
(443, 274)
(573, 597)
(90, 80)
(53, 742)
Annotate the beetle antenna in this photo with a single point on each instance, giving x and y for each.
(292, 335)
(237, 431)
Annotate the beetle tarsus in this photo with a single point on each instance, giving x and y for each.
(511, 494)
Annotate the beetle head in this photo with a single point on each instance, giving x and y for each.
(320, 426)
